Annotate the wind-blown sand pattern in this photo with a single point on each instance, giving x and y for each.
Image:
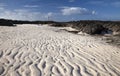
(49, 51)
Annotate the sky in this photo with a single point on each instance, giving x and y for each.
(60, 10)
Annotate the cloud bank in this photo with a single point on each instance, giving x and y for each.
(28, 14)
(75, 10)
(23, 14)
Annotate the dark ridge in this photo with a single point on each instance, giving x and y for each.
(4, 22)
(88, 26)
(59, 24)
(32, 22)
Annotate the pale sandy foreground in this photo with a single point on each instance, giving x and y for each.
(48, 51)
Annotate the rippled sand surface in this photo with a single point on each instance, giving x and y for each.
(31, 50)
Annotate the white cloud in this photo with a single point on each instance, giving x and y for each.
(49, 15)
(31, 6)
(75, 10)
(1, 8)
(23, 14)
(94, 12)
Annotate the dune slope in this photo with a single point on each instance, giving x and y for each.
(49, 51)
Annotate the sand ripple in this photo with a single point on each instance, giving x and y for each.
(48, 51)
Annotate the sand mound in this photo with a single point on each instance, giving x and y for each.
(41, 51)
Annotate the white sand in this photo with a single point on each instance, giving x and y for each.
(48, 51)
(69, 29)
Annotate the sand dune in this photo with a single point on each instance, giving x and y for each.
(48, 51)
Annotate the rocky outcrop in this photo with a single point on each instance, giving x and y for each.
(97, 27)
(90, 29)
(4, 22)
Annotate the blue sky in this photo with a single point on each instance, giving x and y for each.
(60, 10)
